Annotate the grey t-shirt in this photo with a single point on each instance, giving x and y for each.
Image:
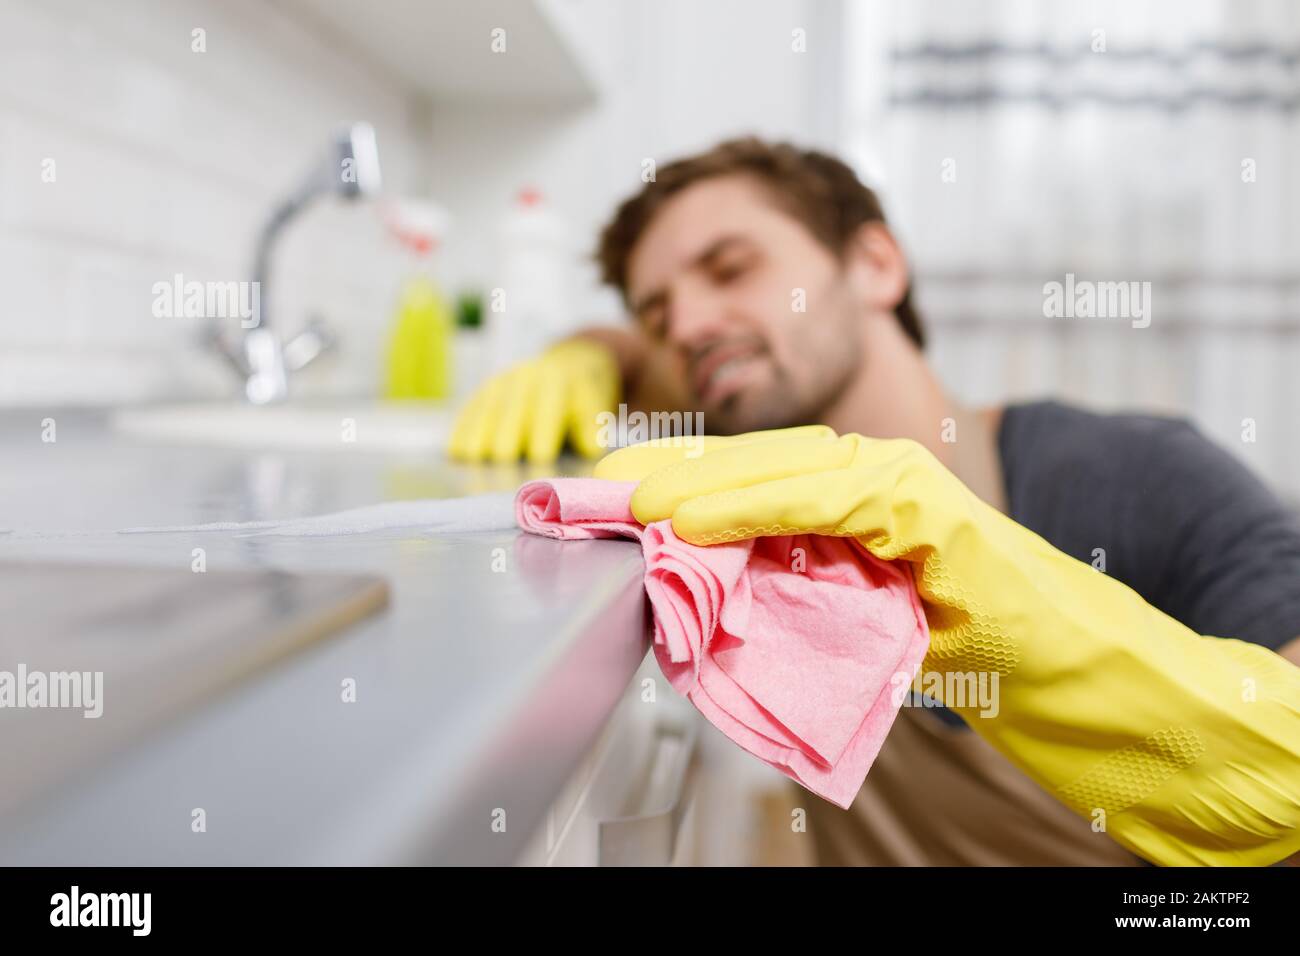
(1177, 518)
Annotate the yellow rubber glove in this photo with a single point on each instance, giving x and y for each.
(636, 461)
(1186, 749)
(530, 408)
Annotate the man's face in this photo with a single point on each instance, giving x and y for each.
(717, 276)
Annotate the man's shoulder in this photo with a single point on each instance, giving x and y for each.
(1127, 481)
(1041, 439)
(1176, 516)
(1050, 431)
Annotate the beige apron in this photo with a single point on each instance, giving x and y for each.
(939, 795)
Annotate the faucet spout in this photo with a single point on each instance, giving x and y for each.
(350, 170)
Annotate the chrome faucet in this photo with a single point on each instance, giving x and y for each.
(351, 170)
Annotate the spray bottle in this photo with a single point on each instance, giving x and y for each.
(418, 358)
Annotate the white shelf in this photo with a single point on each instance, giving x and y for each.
(443, 48)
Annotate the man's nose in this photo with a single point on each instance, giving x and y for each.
(695, 318)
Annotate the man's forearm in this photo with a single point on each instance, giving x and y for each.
(652, 381)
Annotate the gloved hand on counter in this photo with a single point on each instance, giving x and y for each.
(532, 407)
(1185, 748)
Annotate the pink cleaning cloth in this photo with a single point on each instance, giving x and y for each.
(799, 648)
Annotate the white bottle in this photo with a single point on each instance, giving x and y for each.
(531, 307)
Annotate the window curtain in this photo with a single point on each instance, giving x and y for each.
(1017, 142)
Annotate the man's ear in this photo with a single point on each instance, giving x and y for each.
(877, 266)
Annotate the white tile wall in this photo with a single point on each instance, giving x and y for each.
(166, 161)
(685, 75)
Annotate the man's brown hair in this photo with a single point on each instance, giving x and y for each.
(815, 188)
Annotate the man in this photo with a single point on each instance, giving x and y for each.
(767, 292)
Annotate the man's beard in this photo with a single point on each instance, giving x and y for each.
(827, 360)
(779, 405)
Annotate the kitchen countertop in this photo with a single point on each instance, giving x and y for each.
(477, 690)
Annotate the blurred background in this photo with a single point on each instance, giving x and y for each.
(1012, 142)
(161, 162)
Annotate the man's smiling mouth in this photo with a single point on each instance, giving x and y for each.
(725, 370)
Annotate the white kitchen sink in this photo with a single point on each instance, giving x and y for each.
(336, 424)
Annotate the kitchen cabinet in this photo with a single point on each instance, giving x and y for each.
(540, 52)
(633, 799)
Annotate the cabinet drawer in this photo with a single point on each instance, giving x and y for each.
(630, 797)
